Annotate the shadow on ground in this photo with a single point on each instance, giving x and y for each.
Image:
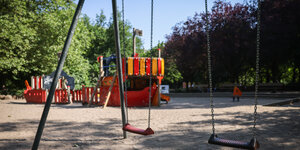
(279, 130)
(276, 130)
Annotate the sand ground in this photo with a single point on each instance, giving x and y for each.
(184, 123)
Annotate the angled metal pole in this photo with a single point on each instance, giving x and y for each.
(56, 76)
(119, 64)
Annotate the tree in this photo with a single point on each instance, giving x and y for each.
(280, 38)
(232, 42)
(33, 33)
(103, 42)
(172, 75)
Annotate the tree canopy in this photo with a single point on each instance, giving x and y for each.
(33, 32)
(233, 43)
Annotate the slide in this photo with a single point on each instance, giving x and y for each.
(165, 98)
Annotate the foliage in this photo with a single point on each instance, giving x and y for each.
(280, 39)
(103, 42)
(172, 74)
(233, 43)
(33, 32)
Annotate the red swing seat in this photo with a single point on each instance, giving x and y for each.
(133, 129)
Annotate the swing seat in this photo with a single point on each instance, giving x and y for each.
(252, 145)
(133, 129)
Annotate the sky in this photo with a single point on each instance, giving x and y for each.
(166, 14)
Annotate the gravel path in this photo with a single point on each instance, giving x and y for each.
(184, 123)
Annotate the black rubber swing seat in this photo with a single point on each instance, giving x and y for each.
(252, 145)
(133, 129)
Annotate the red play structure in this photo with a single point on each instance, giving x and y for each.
(36, 93)
(138, 71)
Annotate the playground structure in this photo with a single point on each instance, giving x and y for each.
(37, 93)
(137, 75)
(108, 92)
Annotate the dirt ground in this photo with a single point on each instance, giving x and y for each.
(184, 123)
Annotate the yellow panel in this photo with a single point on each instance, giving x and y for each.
(130, 66)
(162, 66)
(154, 66)
(142, 66)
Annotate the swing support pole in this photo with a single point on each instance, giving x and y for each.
(56, 76)
(119, 63)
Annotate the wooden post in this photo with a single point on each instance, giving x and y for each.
(109, 91)
(69, 95)
(84, 94)
(42, 81)
(99, 81)
(37, 86)
(32, 82)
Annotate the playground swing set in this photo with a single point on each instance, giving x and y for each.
(146, 71)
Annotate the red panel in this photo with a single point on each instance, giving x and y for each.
(95, 96)
(148, 63)
(159, 66)
(80, 95)
(88, 100)
(77, 96)
(134, 98)
(123, 65)
(61, 96)
(55, 96)
(136, 66)
(35, 96)
(40, 82)
(58, 96)
(83, 94)
(35, 84)
(72, 93)
(87, 95)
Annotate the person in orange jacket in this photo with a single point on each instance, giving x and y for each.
(236, 93)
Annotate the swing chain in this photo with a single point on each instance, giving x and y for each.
(209, 69)
(257, 66)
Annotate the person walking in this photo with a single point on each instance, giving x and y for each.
(236, 93)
